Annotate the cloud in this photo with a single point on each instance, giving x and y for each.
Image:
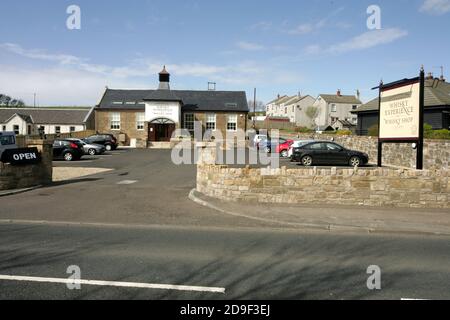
(307, 28)
(435, 7)
(262, 25)
(368, 40)
(249, 46)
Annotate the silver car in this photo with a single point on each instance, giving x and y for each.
(7, 141)
(90, 149)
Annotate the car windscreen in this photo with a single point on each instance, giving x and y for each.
(7, 140)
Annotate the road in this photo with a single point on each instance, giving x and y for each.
(149, 232)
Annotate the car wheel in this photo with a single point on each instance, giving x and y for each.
(307, 161)
(92, 152)
(355, 161)
(108, 147)
(68, 156)
(284, 154)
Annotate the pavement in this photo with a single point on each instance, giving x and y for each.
(134, 229)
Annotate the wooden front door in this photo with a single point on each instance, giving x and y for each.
(160, 132)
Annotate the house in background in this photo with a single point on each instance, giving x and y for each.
(437, 107)
(335, 107)
(149, 117)
(29, 121)
(344, 125)
(291, 109)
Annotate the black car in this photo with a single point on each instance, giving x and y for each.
(328, 153)
(67, 150)
(107, 140)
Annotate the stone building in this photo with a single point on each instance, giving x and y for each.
(149, 117)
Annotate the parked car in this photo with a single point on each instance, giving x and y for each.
(107, 140)
(7, 141)
(67, 150)
(258, 138)
(90, 149)
(280, 147)
(297, 144)
(328, 153)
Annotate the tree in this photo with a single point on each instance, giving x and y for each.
(7, 101)
(260, 106)
(312, 113)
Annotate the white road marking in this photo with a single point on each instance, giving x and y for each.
(408, 299)
(126, 182)
(114, 284)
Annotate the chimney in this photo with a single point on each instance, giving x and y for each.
(442, 78)
(338, 93)
(299, 94)
(278, 96)
(429, 76)
(164, 80)
(358, 94)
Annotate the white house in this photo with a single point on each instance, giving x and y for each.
(335, 107)
(29, 121)
(293, 109)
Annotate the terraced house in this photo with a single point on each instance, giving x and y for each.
(437, 107)
(290, 109)
(148, 117)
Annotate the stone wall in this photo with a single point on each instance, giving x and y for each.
(364, 187)
(436, 152)
(19, 177)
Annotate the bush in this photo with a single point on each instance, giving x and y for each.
(303, 130)
(344, 133)
(439, 134)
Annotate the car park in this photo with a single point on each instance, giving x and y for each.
(107, 140)
(90, 148)
(64, 149)
(328, 153)
(280, 146)
(7, 141)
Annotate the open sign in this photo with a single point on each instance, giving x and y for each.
(21, 156)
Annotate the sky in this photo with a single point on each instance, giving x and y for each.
(279, 47)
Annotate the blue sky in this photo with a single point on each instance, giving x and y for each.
(284, 47)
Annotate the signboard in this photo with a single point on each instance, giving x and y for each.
(400, 112)
(21, 156)
(162, 110)
(401, 117)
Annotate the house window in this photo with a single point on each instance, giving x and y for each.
(4, 128)
(57, 129)
(354, 107)
(232, 122)
(42, 129)
(72, 129)
(29, 130)
(333, 108)
(189, 121)
(140, 120)
(16, 129)
(115, 121)
(211, 121)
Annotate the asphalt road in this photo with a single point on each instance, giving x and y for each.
(150, 232)
(248, 264)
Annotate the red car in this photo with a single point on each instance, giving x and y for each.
(281, 148)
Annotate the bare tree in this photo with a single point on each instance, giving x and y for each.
(312, 113)
(260, 106)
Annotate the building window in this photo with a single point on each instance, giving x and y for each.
(211, 121)
(115, 121)
(232, 122)
(72, 129)
(354, 107)
(29, 130)
(189, 120)
(16, 129)
(4, 128)
(140, 121)
(42, 129)
(57, 129)
(333, 108)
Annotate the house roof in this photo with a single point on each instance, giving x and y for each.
(46, 116)
(192, 100)
(437, 93)
(342, 99)
(298, 99)
(277, 99)
(345, 123)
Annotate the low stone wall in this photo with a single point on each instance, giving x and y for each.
(436, 152)
(19, 177)
(365, 187)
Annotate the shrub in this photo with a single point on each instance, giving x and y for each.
(303, 130)
(440, 134)
(344, 133)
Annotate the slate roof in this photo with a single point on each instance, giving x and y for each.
(46, 116)
(342, 99)
(224, 101)
(437, 93)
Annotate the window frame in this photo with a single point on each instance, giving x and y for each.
(208, 123)
(140, 121)
(186, 121)
(229, 122)
(115, 124)
(333, 107)
(16, 131)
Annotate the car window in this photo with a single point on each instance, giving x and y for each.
(333, 147)
(282, 141)
(56, 144)
(316, 146)
(7, 140)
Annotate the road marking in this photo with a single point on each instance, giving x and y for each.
(126, 182)
(115, 284)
